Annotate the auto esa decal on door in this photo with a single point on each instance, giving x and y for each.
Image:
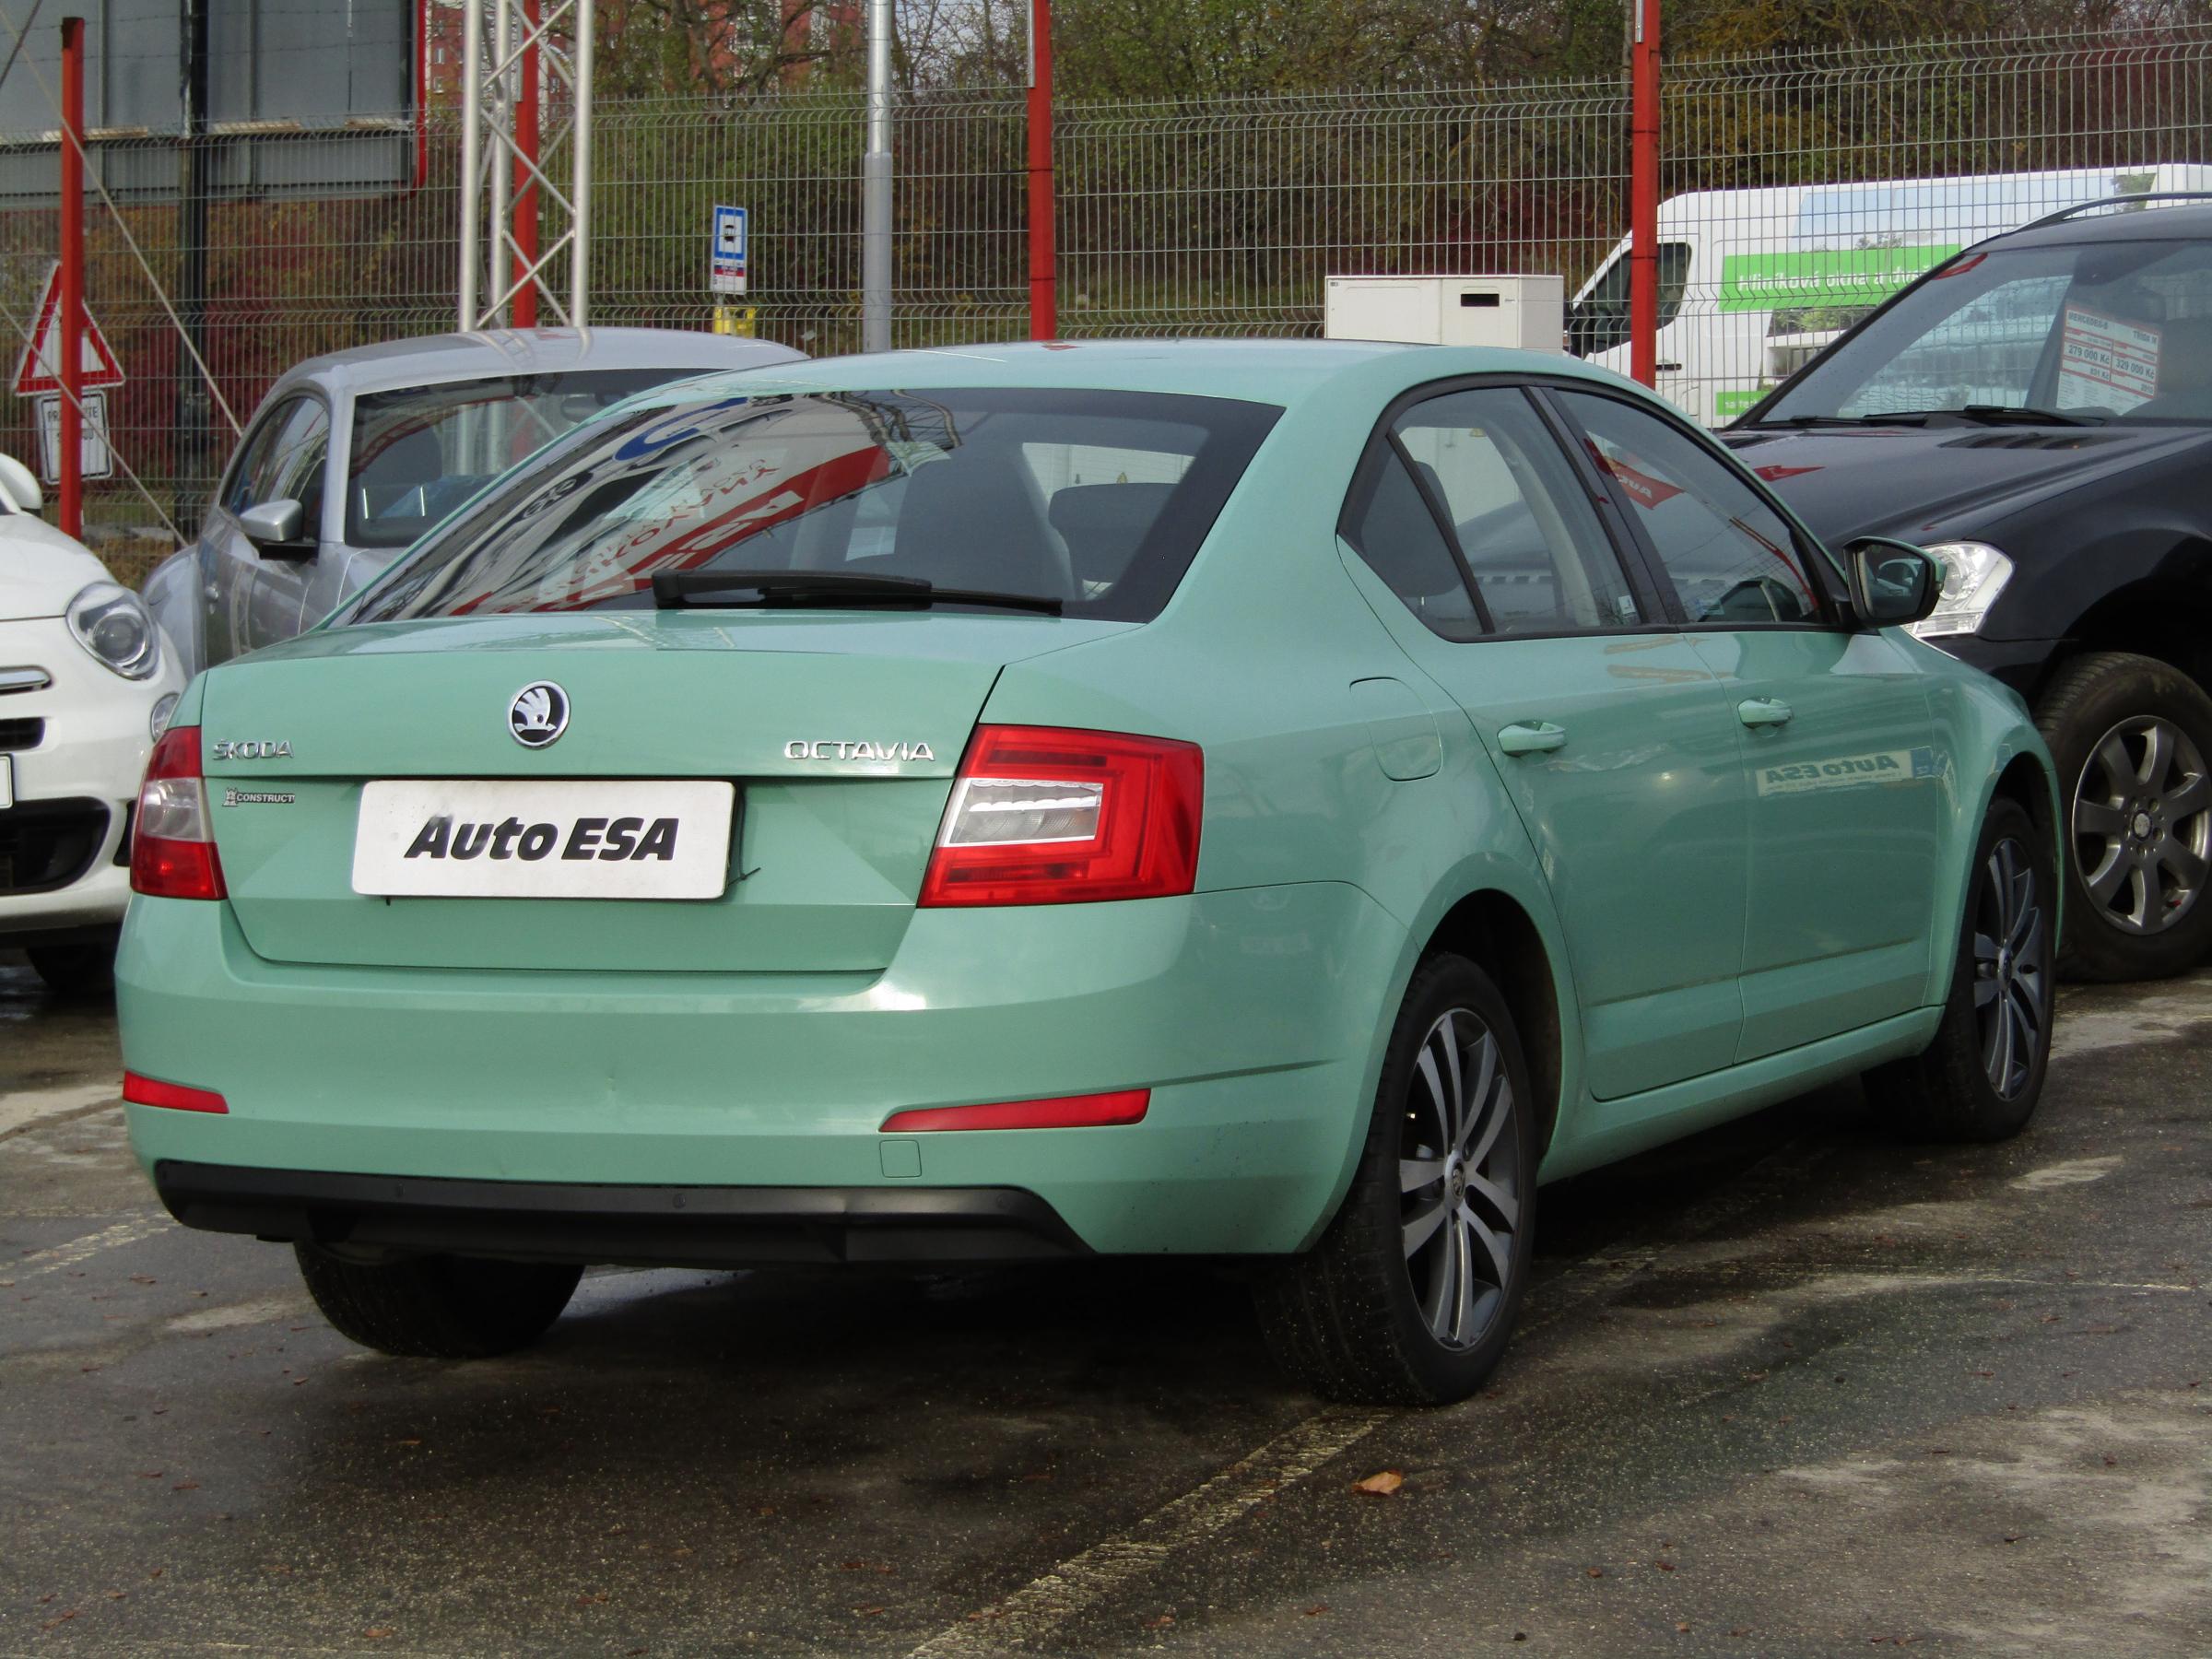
(1846, 771)
(498, 838)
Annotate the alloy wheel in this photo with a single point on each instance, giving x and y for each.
(2012, 968)
(2143, 825)
(1459, 1182)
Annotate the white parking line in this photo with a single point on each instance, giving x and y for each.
(1045, 1604)
(25, 1108)
(91, 1244)
(1082, 1581)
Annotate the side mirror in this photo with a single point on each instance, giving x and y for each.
(274, 529)
(1893, 583)
(21, 484)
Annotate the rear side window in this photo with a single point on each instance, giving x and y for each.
(1731, 557)
(1540, 560)
(1097, 499)
(1391, 528)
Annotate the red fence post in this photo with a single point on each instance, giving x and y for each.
(1644, 194)
(522, 308)
(1044, 299)
(69, 342)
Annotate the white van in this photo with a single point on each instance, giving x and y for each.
(1752, 283)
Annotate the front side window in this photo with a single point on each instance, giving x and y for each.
(1729, 556)
(2097, 331)
(1099, 499)
(283, 459)
(1540, 560)
(1599, 320)
(420, 452)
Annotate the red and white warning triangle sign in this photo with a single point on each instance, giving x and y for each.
(39, 369)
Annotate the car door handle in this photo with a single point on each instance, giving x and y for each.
(1763, 711)
(1533, 739)
(1668, 368)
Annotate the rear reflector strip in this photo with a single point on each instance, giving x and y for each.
(152, 1091)
(1070, 1111)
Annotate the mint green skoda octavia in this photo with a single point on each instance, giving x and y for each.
(1281, 801)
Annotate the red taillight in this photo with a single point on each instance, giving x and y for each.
(1044, 816)
(1071, 1111)
(173, 844)
(152, 1091)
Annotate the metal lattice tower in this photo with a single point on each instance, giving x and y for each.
(507, 57)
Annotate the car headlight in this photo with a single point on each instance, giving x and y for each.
(157, 722)
(111, 623)
(1973, 575)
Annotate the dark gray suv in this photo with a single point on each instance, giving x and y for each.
(2037, 411)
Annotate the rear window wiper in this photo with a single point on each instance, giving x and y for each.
(769, 590)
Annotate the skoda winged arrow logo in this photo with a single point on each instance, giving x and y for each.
(538, 714)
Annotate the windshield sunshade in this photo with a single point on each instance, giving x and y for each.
(1095, 500)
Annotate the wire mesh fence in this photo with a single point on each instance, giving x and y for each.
(1800, 190)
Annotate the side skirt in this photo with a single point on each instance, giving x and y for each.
(1660, 1115)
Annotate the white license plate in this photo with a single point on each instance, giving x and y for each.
(541, 840)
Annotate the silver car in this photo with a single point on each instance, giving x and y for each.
(353, 456)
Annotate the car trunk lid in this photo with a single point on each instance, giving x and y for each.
(839, 732)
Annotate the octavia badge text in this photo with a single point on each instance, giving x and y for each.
(828, 748)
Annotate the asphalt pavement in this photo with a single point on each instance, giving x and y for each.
(1789, 1388)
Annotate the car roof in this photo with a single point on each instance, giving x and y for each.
(1276, 371)
(436, 360)
(2166, 221)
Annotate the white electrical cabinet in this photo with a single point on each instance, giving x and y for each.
(1524, 314)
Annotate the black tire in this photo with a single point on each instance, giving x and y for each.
(438, 1307)
(1347, 1317)
(75, 973)
(1948, 1092)
(2147, 927)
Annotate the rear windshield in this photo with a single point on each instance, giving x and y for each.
(420, 453)
(1095, 499)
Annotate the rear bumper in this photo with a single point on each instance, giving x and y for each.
(657, 1226)
(1252, 1016)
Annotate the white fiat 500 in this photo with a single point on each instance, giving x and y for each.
(87, 682)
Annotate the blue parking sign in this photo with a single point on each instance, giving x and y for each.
(726, 271)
